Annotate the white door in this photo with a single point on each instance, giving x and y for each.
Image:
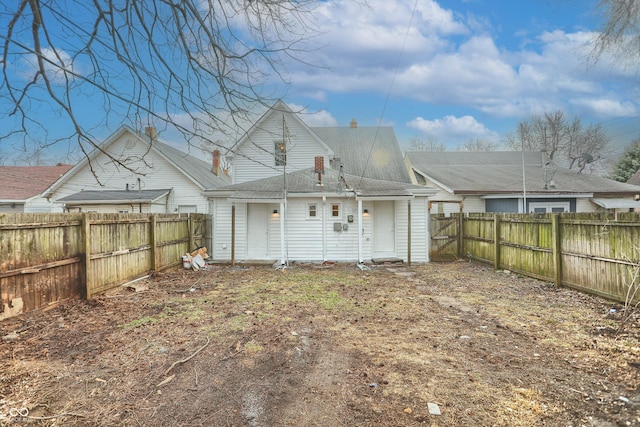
(384, 230)
(258, 231)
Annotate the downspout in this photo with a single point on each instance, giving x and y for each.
(233, 234)
(428, 228)
(409, 232)
(324, 228)
(283, 252)
(361, 232)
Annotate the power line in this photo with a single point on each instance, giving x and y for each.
(386, 101)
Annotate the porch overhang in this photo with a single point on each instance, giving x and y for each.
(616, 203)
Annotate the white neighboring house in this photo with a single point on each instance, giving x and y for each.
(318, 194)
(502, 181)
(23, 188)
(150, 176)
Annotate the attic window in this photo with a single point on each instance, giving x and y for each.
(280, 153)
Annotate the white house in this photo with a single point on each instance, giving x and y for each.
(318, 194)
(512, 181)
(148, 176)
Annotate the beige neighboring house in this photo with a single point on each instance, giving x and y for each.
(512, 181)
(149, 176)
(23, 188)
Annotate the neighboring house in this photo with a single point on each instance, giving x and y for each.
(635, 178)
(318, 194)
(147, 175)
(22, 188)
(501, 181)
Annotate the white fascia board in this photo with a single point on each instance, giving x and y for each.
(257, 200)
(217, 194)
(383, 198)
(537, 196)
(435, 181)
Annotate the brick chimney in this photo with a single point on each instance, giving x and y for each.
(319, 168)
(151, 132)
(353, 124)
(215, 164)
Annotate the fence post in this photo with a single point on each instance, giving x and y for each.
(496, 241)
(152, 242)
(86, 255)
(191, 237)
(460, 234)
(557, 249)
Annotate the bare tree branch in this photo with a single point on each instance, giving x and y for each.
(620, 33)
(143, 62)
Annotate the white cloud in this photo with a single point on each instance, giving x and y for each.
(452, 59)
(55, 62)
(451, 129)
(607, 108)
(314, 118)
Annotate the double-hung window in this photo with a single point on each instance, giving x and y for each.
(280, 153)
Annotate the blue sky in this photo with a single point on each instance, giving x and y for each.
(468, 69)
(450, 70)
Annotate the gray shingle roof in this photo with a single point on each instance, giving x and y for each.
(370, 152)
(113, 196)
(501, 172)
(197, 169)
(305, 181)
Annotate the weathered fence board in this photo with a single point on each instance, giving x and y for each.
(46, 258)
(595, 253)
(444, 237)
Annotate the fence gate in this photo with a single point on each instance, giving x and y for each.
(444, 237)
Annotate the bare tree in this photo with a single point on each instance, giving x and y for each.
(567, 143)
(147, 62)
(620, 33)
(429, 144)
(478, 145)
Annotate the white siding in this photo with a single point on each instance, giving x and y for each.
(255, 158)
(445, 208)
(473, 204)
(308, 240)
(274, 232)
(585, 205)
(367, 230)
(221, 230)
(419, 230)
(402, 225)
(40, 204)
(342, 245)
(153, 173)
(304, 235)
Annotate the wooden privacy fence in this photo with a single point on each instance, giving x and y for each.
(46, 258)
(594, 253)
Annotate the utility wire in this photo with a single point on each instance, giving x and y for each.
(386, 101)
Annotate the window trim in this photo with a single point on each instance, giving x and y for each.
(338, 211)
(316, 211)
(549, 206)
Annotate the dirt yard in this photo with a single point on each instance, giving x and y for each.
(325, 346)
